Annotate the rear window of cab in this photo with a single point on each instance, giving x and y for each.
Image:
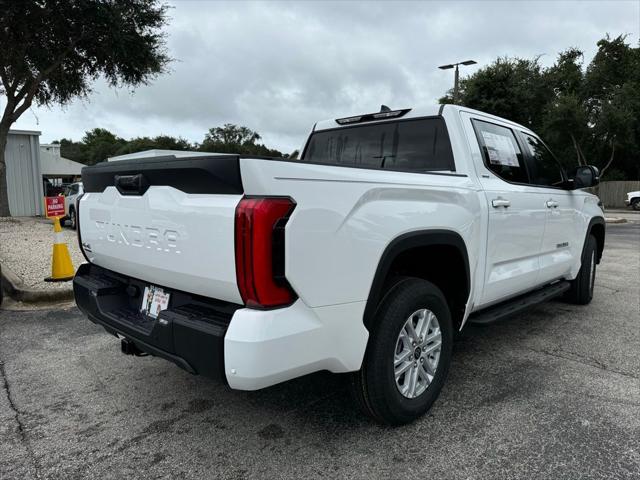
(414, 145)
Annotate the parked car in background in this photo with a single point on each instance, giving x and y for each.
(71, 193)
(633, 200)
(392, 232)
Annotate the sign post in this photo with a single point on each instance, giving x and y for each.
(54, 207)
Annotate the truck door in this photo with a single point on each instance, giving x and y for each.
(517, 211)
(560, 245)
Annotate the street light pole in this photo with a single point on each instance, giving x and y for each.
(456, 82)
(455, 86)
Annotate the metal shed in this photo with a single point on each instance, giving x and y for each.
(24, 179)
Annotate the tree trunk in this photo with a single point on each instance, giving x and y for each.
(577, 149)
(4, 195)
(613, 151)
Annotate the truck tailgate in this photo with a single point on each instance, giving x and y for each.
(166, 221)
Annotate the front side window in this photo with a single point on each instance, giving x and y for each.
(502, 154)
(409, 145)
(546, 170)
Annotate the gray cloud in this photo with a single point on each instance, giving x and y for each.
(279, 67)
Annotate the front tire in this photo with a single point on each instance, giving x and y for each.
(635, 203)
(408, 356)
(581, 290)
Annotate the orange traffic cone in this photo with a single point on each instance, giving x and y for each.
(61, 267)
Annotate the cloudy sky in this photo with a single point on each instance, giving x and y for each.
(279, 67)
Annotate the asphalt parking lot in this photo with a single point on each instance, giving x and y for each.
(553, 393)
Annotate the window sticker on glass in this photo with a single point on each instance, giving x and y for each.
(500, 149)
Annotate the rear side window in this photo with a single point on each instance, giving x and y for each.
(408, 145)
(545, 169)
(501, 152)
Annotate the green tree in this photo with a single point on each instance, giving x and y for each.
(72, 150)
(611, 98)
(588, 115)
(510, 88)
(293, 155)
(161, 142)
(565, 124)
(99, 144)
(53, 49)
(235, 139)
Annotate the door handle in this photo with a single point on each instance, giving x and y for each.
(552, 204)
(500, 202)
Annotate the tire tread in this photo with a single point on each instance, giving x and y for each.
(580, 291)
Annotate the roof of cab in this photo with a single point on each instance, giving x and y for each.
(426, 111)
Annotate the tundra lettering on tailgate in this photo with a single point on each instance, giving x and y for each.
(162, 240)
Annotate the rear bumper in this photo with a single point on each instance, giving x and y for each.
(190, 333)
(250, 349)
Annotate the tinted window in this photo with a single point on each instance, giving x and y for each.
(546, 169)
(502, 154)
(413, 145)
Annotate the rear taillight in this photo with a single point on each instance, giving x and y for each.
(259, 234)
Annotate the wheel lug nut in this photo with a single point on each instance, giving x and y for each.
(421, 359)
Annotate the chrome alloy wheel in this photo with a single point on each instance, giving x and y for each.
(417, 353)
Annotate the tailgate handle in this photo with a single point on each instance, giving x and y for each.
(131, 184)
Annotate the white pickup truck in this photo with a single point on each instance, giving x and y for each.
(633, 200)
(366, 256)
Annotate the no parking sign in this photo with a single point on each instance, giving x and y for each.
(54, 206)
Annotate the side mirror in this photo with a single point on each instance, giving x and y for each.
(583, 177)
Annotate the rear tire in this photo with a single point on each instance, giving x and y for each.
(72, 218)
(408, 356)
(581, 291)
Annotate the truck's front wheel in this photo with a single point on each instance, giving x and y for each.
(409, 353)
(581, 291)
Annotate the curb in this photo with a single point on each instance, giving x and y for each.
(615, 220)
(16, 289)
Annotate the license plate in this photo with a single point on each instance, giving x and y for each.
(154, 300)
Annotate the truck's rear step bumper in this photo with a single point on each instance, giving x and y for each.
(190, 333)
